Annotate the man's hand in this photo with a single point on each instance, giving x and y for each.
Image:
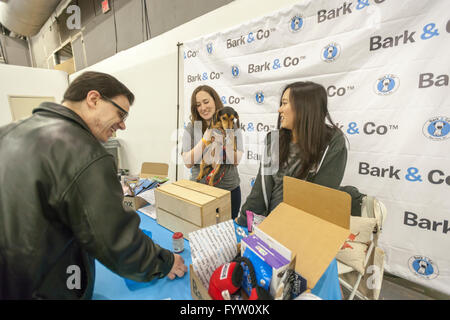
(178, 268)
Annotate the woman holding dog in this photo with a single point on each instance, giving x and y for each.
(205, 102)
(309, 148)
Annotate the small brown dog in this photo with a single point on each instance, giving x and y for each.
(222, 120)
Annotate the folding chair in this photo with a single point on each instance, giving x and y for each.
(351, 266)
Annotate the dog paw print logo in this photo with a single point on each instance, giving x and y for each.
(296, 23)
(437, 128)
(235, 71)
(423, 267)
(209, 48)
(259, 97)
(331, 52)
(387, 84)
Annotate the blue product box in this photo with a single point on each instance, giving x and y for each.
(262, 270)
(274, 259)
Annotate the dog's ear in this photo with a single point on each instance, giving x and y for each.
(236, 116)
(215, 117)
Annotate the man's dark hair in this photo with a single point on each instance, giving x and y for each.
(105, 84)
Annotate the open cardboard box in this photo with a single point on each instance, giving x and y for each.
(148, 170)
(186, 206)
(312, 221)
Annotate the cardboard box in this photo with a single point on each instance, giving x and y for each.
(148, 170)
(67, 66)
(186, 206)
(312, 221)
(266, 253)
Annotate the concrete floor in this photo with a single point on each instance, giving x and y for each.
(391, 290)
(395, 288)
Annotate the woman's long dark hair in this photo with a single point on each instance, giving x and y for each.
(195, 116)
(309, 103)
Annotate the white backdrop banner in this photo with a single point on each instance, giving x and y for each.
(385, 67)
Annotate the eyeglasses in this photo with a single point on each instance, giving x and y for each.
(124, 113)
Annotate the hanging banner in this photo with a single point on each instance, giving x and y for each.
(385, 67)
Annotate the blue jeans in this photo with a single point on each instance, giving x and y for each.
(235, 202)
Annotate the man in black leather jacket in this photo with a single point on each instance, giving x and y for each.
(61, 201)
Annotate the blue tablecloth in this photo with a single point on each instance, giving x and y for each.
(109, 285)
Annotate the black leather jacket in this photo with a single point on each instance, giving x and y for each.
(61, 207)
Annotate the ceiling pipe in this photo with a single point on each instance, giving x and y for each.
(26, 17)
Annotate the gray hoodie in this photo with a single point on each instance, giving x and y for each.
(329, 174)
